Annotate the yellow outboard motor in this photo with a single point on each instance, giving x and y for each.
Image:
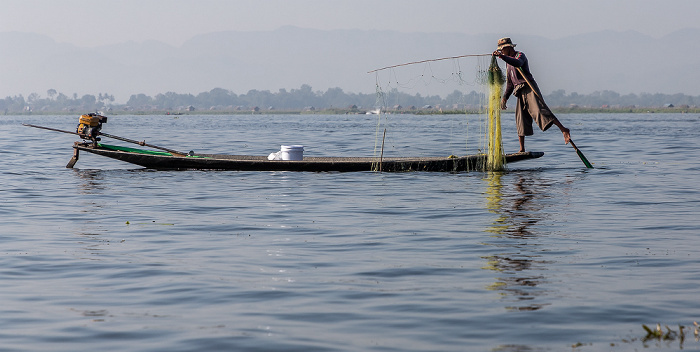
(90, 125)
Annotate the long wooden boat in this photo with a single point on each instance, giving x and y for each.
(171, 161)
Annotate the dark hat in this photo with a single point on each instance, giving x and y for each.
(504, 42)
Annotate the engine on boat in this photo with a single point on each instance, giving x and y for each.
(89, 126)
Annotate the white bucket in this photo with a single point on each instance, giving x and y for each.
(292, 152)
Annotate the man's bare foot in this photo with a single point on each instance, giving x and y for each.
(567, 135)
(521, 151)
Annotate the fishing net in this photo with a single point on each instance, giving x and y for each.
(495, 159)
(474, 95)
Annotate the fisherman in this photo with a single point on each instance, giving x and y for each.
(530, 104)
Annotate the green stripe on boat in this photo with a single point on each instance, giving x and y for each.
(131, 150)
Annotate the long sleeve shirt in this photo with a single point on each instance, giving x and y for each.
(513, 76)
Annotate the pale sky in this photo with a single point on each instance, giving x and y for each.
(91, 23)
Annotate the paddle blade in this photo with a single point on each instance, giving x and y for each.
(580, 155)
(583, 158)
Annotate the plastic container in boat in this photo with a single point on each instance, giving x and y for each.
(292, 152)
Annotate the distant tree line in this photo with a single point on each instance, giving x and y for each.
(607, 98)
(55, 102)
(305, 98)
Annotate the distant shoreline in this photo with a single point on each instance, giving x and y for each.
(562, 110)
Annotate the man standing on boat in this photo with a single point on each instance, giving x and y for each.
(530, 104)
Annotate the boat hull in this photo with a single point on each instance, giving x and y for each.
(166, 161)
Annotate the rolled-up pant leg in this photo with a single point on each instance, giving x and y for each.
(529, 108)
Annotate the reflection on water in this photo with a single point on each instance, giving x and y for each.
(519, 208)
(92, 244)
(89, 185)
(90, 180)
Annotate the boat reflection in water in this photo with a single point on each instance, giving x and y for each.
(515, 238)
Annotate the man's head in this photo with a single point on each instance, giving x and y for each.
(506, 46)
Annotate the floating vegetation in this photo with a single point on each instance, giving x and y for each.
(663, 337)
(151, 223)
(669, 334)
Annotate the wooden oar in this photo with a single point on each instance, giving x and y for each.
(174, 152)
(571, 141)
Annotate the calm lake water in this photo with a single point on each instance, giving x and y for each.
(543, 257)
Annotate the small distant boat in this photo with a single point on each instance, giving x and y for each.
(170, 161)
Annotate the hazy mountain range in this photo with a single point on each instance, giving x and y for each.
(625, 62)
